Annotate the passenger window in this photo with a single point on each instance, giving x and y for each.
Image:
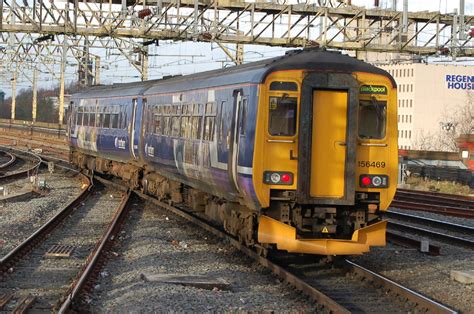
(92, 119)
(282, 116)
(114, 118)
(243, 116)
(372, 119)
(196, 124)
(209, 129)
(107, 120)
(157, 124)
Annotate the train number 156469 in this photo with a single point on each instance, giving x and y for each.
(371, 164)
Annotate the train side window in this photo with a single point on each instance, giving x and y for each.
(176, 127)
(86, 119)
(114, 120)
(209, 128)
(196, 127)
(282, 116)
(157, 124)
(372, 119)
(92, 119)
(167, 126)
(243, 116)
(107, 120)
(209, 122)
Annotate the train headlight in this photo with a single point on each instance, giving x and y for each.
(275, 177)
(373, 181)
(376, 181)
(278, 177)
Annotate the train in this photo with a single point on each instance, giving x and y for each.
(296, 153)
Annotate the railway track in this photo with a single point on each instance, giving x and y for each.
(456, 234)
(445, 204)
(24, 164)
(42, 272)
(335, 297)
(6, 159)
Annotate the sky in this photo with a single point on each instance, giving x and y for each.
(191, 57)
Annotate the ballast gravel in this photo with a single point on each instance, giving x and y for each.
(156, 242)
(20, 218)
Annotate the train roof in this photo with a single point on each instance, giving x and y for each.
(115, 90)
(254, 72)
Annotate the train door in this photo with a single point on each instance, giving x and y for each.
(328, 143)
(235, 137)
(327, 140)
(135, 127)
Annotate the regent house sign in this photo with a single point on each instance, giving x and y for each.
(465, 82)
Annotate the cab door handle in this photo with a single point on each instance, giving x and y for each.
(341, 143)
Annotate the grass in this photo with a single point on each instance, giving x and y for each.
(438, 186)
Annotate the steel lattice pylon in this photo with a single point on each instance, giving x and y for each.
(124, 25)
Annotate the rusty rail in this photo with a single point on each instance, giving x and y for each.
(92, 260)
(10, 162)
(23, 248)
(415, 297)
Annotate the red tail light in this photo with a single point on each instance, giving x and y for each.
(366, 181)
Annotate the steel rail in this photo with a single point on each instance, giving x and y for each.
(415, 297)
(429, 221)
(432, 234)
(10, 162)
(48, 227)
(36, 160)
(98, 252)
(451, 200)
(439, 195)
(443, 210)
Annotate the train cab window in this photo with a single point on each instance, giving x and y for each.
(282, 116)
(372, 119)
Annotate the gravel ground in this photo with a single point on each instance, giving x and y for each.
(455, 220)
(154, 241)
(429, 275)
(49, 278)
(19, 219)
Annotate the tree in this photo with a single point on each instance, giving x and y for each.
(46, 112)
(456, 121)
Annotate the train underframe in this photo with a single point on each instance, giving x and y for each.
(311, 226)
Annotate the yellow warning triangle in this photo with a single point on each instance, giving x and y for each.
(325, 230)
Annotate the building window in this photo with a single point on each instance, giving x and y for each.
(409, 134)
(411, 72)
(411, 103)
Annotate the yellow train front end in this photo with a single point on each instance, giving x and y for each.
(325, 160)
